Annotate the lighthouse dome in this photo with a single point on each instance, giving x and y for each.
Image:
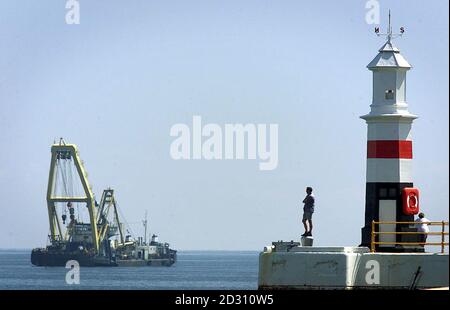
(389, 57)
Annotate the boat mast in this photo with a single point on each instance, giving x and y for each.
(144, 222)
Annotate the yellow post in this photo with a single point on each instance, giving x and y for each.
(443, 237)
(372, 235)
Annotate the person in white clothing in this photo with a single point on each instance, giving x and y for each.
(422, 227)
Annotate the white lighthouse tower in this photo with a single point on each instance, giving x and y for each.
(389, 143)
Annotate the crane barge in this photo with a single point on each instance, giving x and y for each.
(102, 239)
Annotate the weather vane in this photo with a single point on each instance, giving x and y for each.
(389, 34)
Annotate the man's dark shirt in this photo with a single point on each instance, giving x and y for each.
(309, 203)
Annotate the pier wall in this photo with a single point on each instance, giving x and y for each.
(350, 268)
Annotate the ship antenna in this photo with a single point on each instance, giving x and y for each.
(145, 227)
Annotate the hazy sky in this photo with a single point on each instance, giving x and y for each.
(115, 84)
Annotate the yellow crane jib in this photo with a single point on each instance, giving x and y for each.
(61, 154)
(107, 201)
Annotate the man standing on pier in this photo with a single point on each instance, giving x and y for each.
(308, 211)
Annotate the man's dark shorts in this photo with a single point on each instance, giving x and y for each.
(307, 215)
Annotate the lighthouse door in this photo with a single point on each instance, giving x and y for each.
(387, 213)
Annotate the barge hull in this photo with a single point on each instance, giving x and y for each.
(45, 259)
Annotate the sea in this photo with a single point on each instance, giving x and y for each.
(194, 270)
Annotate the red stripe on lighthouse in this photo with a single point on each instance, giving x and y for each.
(389, 149)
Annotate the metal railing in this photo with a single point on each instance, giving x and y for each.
(442, 233)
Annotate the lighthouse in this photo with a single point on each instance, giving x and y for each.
(389, 145)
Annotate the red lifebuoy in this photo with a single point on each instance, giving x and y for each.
(410, 197)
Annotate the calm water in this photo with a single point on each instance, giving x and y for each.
(193, 270)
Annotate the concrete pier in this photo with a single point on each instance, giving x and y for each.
(282, 266)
